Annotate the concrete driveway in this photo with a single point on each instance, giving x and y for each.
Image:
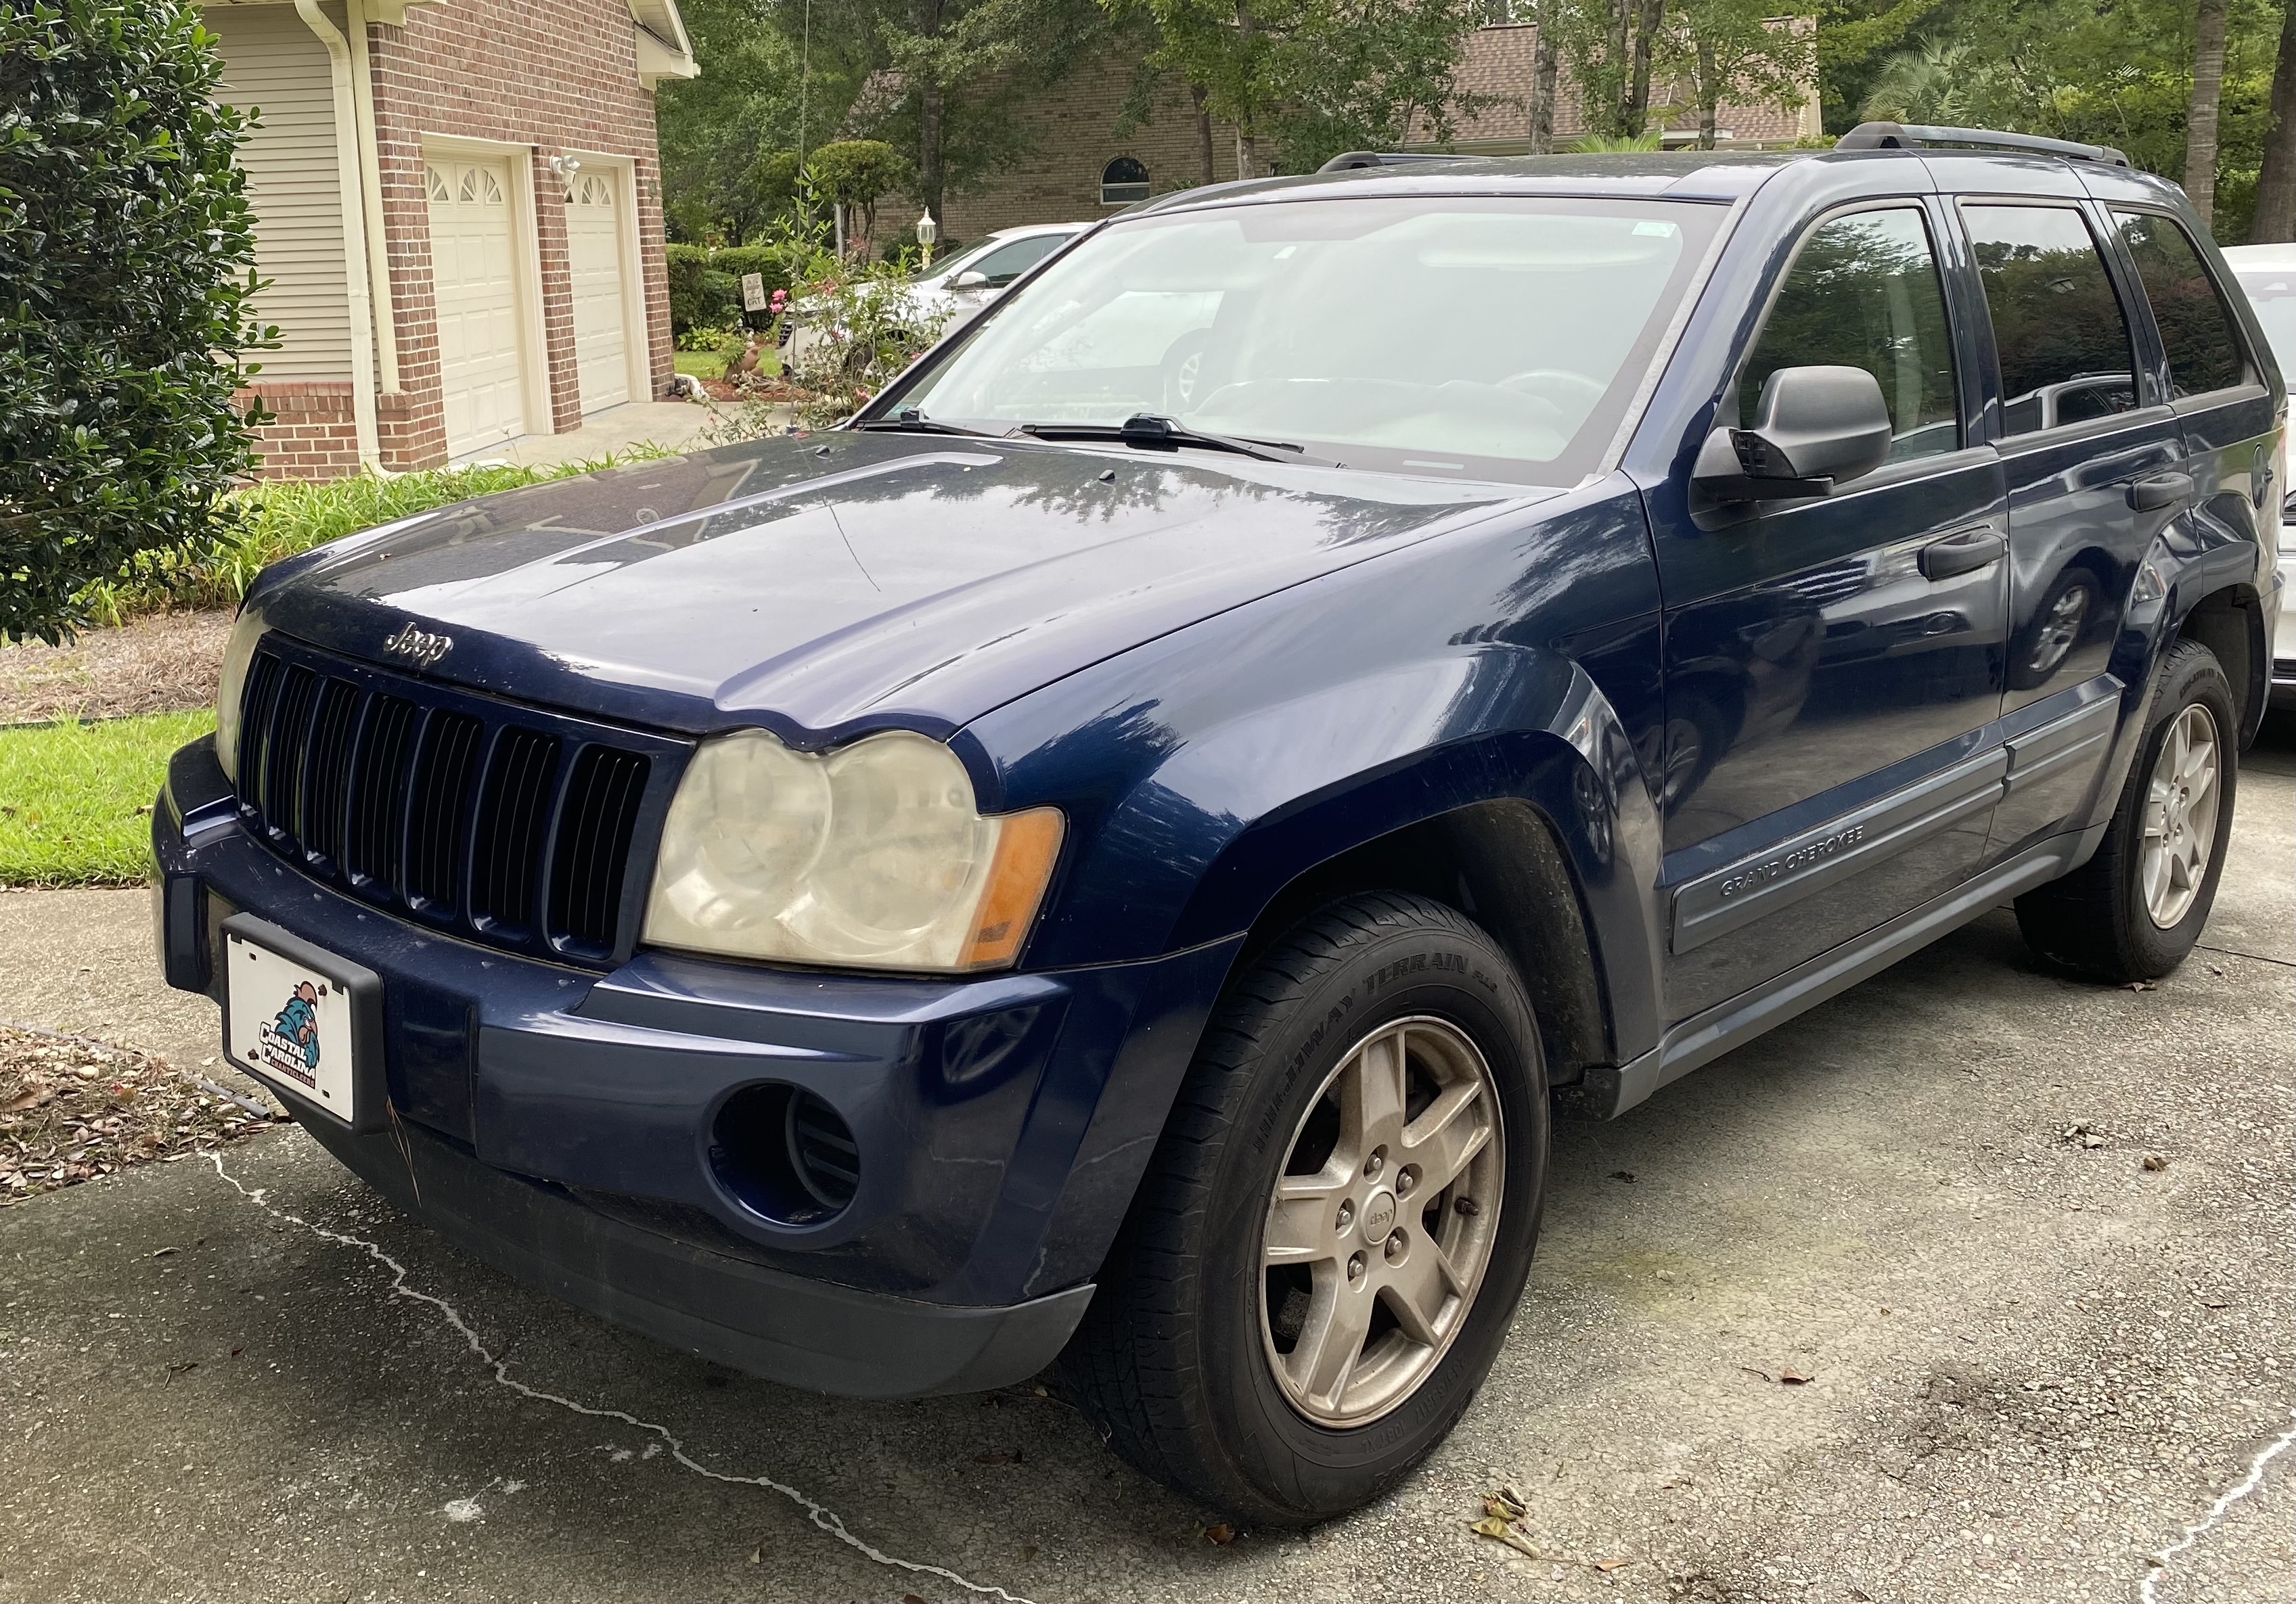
(2036, 1358)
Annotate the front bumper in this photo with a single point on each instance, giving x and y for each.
(565, 1125)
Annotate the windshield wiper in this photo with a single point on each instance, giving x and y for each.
(1154, 428)
(910, 421)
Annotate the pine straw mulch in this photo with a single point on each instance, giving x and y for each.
(73, 1108)
(165, 663)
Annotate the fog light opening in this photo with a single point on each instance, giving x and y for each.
(786, 1153)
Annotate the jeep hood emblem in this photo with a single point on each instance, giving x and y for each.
(418, 646)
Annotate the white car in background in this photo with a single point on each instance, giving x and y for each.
(2268, 273)
(960, 283)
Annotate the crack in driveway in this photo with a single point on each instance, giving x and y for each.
(821, 1514)
(2230, 1496)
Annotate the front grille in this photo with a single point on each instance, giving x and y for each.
(503, 824)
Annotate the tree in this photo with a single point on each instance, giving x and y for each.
(1609, 45)
(2207, 93)
(2274, 219)
(1305, 79)
(127, 252)
(1931, 83)
(1735, 49)
(852, 174)
(729, 138)
(1544, 72)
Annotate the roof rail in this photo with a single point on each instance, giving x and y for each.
(1913, 136)
(1347, 161)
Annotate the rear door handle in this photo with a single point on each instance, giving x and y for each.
(2160, 490)
(1962, 554)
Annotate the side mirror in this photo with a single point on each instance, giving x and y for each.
(973, 278)
(1814, 428)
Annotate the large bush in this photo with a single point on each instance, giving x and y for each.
(126, 265)
(705, 285)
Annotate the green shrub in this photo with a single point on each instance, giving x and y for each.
(705, 283)
(276, 518)
(126, 266)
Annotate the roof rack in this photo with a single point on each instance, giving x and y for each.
(1347, 161)
(1913, 136)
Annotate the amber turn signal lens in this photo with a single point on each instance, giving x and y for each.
(1028, 845)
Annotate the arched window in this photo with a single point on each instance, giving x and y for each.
(1123, 181)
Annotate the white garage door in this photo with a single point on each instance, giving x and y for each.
(474, 278)
(594, 250)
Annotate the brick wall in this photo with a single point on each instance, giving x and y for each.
(556, 76)
(1071, 130)
(312, 435)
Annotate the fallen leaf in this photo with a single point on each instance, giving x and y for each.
(2154, 1161)
(1499, 1530)
(1029, 1550)
(1501, 1508)
(1626, 1175)
(1794, 1377)
(1764, 1374)
(1607, 1566)
(164, 1252)
(757, 1555)
(2138, 986)
(911, 1599)
(1014, 1458)
(1219, 1536)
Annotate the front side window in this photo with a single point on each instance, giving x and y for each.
(2058, 326)
(2196, 327)
(1470, 336)
(1864, 292)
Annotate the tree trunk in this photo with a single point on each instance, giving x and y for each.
(925, 18)
(1542, 82)
(2201, 121)
(1615, 61)
(2275, 182)
(1710, 91)
(1649, 16)
(1246, 143)
(1203, 131)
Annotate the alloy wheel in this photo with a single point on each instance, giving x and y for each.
(1381, 1226)
(2180, 816)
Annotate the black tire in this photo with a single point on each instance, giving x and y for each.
(1169, 1360)
(2094, 920)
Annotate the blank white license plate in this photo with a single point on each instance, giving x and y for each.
(290, 1025)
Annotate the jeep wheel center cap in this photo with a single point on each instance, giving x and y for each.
(1378, 1216)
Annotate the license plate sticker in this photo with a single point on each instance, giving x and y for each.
(292, 1025)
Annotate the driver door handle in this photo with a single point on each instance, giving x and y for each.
(2159, 490)
(1963, 551)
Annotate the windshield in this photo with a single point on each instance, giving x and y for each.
(2274, 296)
(1482, 337)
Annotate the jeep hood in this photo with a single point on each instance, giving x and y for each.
(848, 581)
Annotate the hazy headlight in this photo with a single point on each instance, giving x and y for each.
(236, 655)
(873, 854)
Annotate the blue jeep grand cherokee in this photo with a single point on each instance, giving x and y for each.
(1110, 857)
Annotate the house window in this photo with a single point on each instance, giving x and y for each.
(1123, 181)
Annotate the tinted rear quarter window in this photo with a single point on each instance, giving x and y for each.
(2058, 327)
(2204, 350)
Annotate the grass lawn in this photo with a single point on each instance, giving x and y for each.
(701, 365)
(76, 798)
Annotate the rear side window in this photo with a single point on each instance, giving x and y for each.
(2196, 327)
(2058, 328)
(1863, 292)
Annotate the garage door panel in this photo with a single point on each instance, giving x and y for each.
(594, 249)
(474, 286)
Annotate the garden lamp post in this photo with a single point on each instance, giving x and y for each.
(928, 230)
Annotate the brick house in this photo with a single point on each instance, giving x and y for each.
(459, 207)
(1078, 168)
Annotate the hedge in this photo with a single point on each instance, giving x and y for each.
(705, 283)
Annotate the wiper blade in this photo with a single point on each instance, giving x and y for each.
(1154, 428)
(915, 422)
